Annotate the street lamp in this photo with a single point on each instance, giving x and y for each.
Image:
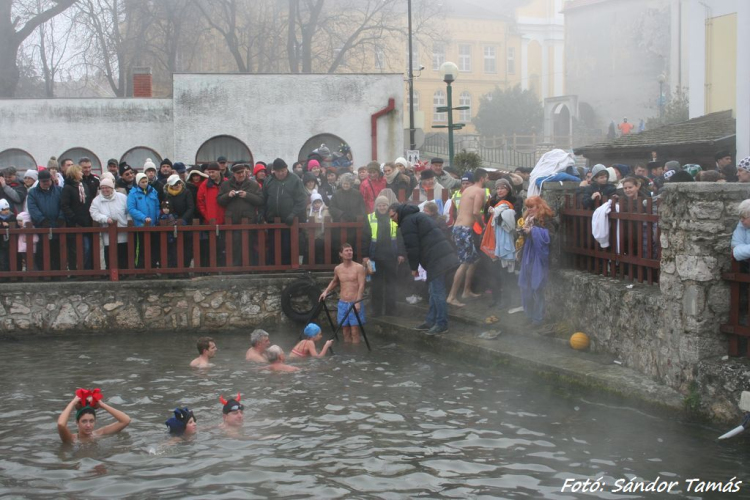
(662, 78)
(412, 140)
(449, 71)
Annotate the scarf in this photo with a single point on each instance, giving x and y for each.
(389, 179)
(174, 191)
(81, 193)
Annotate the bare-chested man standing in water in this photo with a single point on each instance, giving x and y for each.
(351, 276)
(469, 214)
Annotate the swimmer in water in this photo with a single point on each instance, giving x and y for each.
(306, 347)
(232, 414)
(183, 424)
(259, 342)
(207, 350)
(86, 421)
(276, 358)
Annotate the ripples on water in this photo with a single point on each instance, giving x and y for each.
(393, 423)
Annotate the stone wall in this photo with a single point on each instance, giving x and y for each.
(159, 305)
(670, 331)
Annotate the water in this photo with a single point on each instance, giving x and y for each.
(394, 423)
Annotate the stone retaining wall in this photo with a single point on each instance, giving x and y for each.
(158, 305)
(670, 331)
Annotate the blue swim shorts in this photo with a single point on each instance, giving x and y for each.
(350, 319)
(464, 240)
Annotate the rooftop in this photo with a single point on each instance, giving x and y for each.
(706, 129)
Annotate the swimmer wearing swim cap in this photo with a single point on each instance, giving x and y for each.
(86, 419)
(306, 347)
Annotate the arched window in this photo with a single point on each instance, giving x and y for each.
(233, 149)
(76, 154)
(465, 100)
(438, 99)
(137, 156)
(334, 144)
(18, 158)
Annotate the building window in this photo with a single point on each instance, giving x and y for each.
(136, 157)
(511, 60)
(438, 56)
(76, 154)
(379, 57)
(464, 57)
(438, 99)
(416, 101)
(414, 56)
(489, 60)
(465, 100)
(232, 148)
(17, 158)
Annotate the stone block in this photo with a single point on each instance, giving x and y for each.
(195, 317)
(711, 210)
(703, 268)
(19, 308)
(216, 301)
(693, 300)
(151, 312)
(718, 298)
(111, 306)
(66, 319)
(215, 320)
(96, 320)
(129, 318)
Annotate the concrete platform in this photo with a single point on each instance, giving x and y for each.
(545, 355)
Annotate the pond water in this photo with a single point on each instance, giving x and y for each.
(394, 423)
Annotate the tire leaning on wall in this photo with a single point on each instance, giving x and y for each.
(297, 297)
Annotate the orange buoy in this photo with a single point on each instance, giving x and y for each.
(579, 341)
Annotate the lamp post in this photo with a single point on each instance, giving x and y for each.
(412, 140)
(662, 78)
(450, 72)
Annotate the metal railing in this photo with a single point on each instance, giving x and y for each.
(634, 252)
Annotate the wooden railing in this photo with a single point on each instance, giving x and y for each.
(634, 251)
(181, 250)
(738, 329)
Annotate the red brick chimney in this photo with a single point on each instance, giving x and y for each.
(142, 82)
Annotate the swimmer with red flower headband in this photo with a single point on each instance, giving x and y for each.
(86, 402)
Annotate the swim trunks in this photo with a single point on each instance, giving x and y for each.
(350, 319)
(467, 252)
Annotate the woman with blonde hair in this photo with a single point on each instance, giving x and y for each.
(532, 279)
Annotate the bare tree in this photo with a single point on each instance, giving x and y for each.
(17, 23)
(51, 46)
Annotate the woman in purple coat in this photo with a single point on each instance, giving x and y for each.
(535, 258)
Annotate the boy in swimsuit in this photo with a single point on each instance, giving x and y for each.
(306, 347)
(86, 421)
(351, 276)
(276, 359)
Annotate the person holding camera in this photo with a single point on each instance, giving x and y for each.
(241, 198)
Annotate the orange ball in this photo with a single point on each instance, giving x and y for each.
(579, 341)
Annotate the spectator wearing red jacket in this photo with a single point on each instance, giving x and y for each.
(209, 207)
(372, 186)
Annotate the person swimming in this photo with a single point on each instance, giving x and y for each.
(276, 360)
(86, 403)
(232, 411)
(306, 347)
(183, 423)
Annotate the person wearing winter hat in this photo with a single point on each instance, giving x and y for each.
(211, 211)
(111, 208)
(12, 189)
(743, 170)
(382, 244)
(126, 182)
(143, 206)
(260, 172)
(30, 178)
(195, 177)
(183, 423)
(242, 200)
(371, 187)
(328, 187)
(75, 202)
(43, 204)
(180, 169)
(182, 207)
(396, 181)
(113, 167)
(149, 168)
(600, 187)
(443, 178)
(284, 197)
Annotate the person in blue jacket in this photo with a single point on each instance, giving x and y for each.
(741, 235)
(143, 206)
(43, 203)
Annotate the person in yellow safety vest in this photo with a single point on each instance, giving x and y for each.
(383, 249)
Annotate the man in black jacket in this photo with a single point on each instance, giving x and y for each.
(427, 245)
(242, 198)
(285, 197)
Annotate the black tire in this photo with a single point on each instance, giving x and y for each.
(299, 301)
